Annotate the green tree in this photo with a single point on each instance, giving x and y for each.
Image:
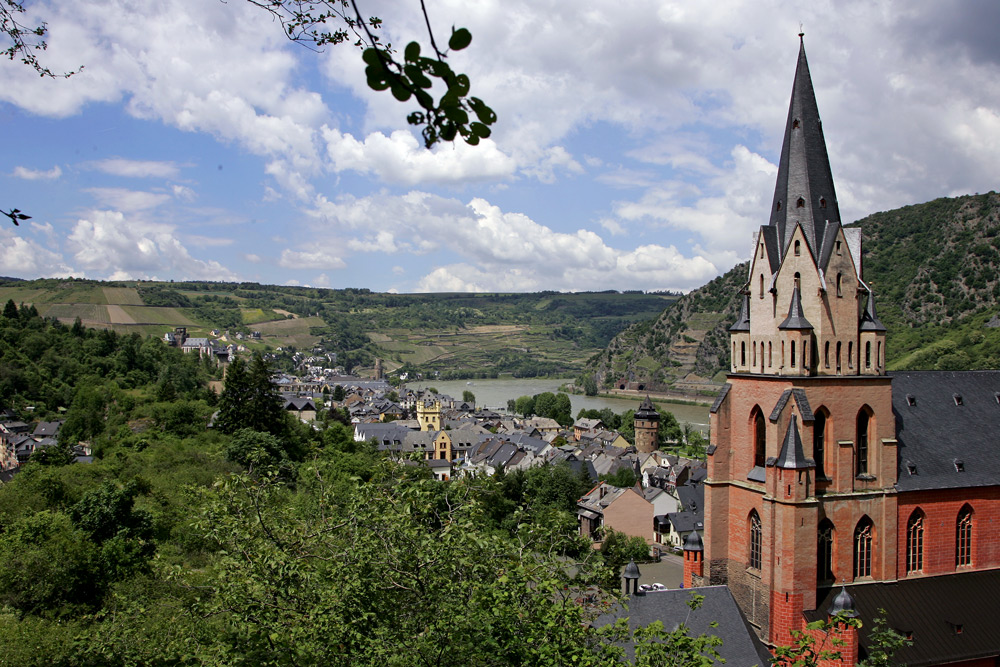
(10, 310)
(590, 385)
(122, 533)
(468, 396)
(338, 393)
(401, 573)
(525, 406)
(623, 478)
(250, 400)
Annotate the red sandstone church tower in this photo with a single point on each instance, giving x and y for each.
(803, 434)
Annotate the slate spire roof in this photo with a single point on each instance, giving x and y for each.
(796, 319)
(870, 321)
(804, 191)
(743, 321)
(792, 456)
(647, 411)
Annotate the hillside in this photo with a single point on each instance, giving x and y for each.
(935, 269)
(456, 335)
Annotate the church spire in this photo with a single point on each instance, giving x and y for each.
(804, 193)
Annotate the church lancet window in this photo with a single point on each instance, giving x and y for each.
(759, 438)
(819, 442)
(963, 537)
(863, 535)
(754, 561)
(824, 552)
(915, 542)
(861, 443)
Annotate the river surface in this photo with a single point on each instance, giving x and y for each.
(494, 394)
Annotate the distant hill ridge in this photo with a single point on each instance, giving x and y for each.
(935, 269)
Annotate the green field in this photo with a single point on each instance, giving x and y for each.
(122, 296)
(89, 313)
(168, 317)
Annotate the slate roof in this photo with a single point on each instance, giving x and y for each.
(692, 497)
(933, 609)
(796, 319)
(743, 320)
(804, 170)
(934, 432)
(647, 411)
(792, 456)
(801, 400)
(740, 645)
(721, 397)
(870, 321)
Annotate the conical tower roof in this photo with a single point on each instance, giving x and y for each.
(804, 191)
(743, 321)
(796, 318)
(870, 321)
(647, 411)
(792, 456)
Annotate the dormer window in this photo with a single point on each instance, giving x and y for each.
(958, 399)
(800, 203)
(959, 465)
(911, 400)
(822, 202)
(795, 124)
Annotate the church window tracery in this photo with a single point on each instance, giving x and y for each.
(963, 537)
(863, 536)
(915, 542)
(754, 561)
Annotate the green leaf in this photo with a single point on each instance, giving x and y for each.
(461, 84)
(480, 130)
(483, 112)
(400, 92)
(424, 99)
(460, 39)
(412, 52)
(377, 83)
(371, 57)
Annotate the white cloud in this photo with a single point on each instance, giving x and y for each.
(107, 243)
(136, 168)
(37, 174)
(315, 259)
(128, 200)
(24, 258)
(400, 159)
(506, 251)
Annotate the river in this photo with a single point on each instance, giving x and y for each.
(495, 393)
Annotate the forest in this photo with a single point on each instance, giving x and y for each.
(261, 541)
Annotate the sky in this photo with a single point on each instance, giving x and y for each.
(636, 146)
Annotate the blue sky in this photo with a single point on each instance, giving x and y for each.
(635, 147)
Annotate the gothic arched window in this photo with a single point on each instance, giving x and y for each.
(759, 438)
(863, 536)
(861, 443)
(824, 552)
(819, 442)
(915, 542)
(963, 537)
(755, 541)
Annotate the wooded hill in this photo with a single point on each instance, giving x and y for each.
(935, 269)
(458, 335)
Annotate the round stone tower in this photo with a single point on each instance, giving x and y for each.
(647, 425)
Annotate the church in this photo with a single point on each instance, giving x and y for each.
(833, 483)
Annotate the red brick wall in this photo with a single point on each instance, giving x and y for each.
(941, 508)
